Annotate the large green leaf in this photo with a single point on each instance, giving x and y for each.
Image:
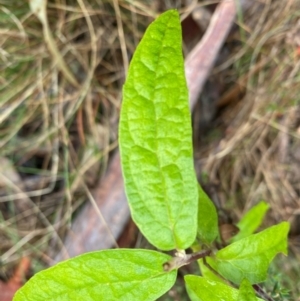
(208, 229)
(246, 292)
(121, 274)
(250, 257)
(155, 139)
(251, 220)
(202, 289)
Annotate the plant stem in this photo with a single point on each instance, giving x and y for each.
(184, 259)
(198, 255)
(262, 293)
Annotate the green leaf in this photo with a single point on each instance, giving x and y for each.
(208, 229)
(155, 139)
(202, 289)
(251, 220)
(250, 257)
(207, 273)
(119, 274)
(246, 292)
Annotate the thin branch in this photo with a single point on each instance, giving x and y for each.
(184, 259)
(262, 293)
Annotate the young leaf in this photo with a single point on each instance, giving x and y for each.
(246, 292)
(251, 220)
(121, 274)
(202, 289)
(250, 257)
(155, 139)
(208, 229)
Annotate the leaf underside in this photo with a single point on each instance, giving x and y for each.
(120, 274)
(155, 139)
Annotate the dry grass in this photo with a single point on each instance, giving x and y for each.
(61, 72)
(258, 156)
(61, 78)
